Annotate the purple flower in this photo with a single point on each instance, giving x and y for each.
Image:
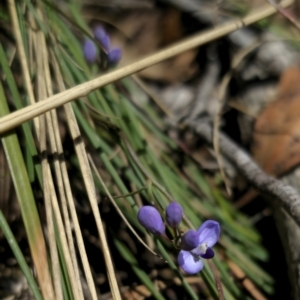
(102, 37)
(174, 214)
(114, 55)
(151, 219)
(89, 51)
(197, 245)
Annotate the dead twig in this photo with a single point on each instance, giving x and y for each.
(276, 190)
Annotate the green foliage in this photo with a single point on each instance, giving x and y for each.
(118, 123)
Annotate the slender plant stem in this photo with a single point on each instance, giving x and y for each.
(19, 256)
(117, 208)
(131, 194)
(148, 175)
(217, 279)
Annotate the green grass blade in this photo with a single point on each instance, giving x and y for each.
(172, 265)
(18, 103)
(19, 257)
(142, 275)
(27, 203)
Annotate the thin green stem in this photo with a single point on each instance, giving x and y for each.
(132, 194)
(116, 206)
(175, 233)
(19, 257)
(217, 279)
(175, 269)
(148, 176)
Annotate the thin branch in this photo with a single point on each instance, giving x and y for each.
(14, 119)
(286, 196)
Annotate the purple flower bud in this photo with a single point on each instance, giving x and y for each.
(114, 55)
(174, 214)
(189, 240)
(102, 37)
(151, 219)
(89, 51)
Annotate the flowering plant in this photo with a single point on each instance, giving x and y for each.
(90, 51)
(194, 245)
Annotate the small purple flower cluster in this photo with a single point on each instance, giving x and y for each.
(194, 245)
(90, 50)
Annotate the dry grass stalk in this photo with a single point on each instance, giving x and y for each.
(74, 130)
(39, 257)
(22, 57)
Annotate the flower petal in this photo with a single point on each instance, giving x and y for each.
(209, 254)
(209, 233)
(189, 240)
(189, 263)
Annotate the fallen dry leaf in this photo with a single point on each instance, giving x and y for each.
(276, 138)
